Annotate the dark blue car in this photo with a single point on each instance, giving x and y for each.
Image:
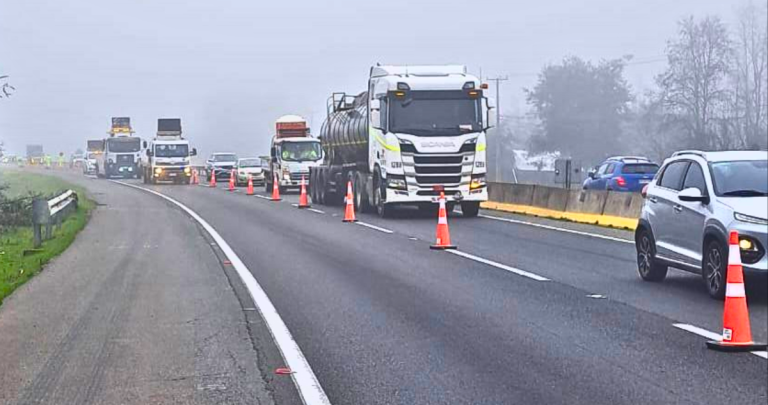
(621, 173)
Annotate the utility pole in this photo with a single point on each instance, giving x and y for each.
(497, 162)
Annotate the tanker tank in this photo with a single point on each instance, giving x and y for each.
(344, 134)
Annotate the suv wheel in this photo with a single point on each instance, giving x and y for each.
(647, 266)
(714, 269)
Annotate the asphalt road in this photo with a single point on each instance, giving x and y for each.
(383, 319)
(139, 310)
(528, 314)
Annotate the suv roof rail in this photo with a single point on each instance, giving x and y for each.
(627, 158)
(689, 152)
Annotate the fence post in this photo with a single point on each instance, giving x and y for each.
(40, 216)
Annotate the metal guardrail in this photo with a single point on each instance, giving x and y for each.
(51, 212)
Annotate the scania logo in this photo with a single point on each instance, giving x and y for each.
(436, 144)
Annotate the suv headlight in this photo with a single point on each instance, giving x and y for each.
(750, 219)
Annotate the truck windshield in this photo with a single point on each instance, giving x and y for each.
(435, 113)
(124, 145)
(171, 151)
(298, 151)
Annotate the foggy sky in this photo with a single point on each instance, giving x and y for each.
(228, 68)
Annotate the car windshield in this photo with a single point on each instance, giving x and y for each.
(745, 178)
(434, 113)
(300, 151)
(173, 150)
(124, 144)
(250, 162)
(224, 158)
(640, 168)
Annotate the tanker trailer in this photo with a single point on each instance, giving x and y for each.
(418, 131)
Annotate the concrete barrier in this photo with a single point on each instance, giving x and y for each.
(589, 206)
(626, 205)
(558, 199)
(588, 202)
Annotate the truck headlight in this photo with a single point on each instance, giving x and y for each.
(479, 164)
(396, 165)
(396, 182)
(477, 182)
(158, 170)
(187, 170)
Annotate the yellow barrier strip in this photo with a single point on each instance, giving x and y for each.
(609, 221)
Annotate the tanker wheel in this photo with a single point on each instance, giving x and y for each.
(361, 194)
(321, 188)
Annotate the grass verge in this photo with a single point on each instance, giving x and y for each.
(18, 260)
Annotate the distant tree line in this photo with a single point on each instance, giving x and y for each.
(713, 95)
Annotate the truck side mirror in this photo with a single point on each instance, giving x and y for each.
(145, 144)
(490, 105)
(194, 152)
(149, 153)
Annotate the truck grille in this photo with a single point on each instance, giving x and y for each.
(437, 169)
(124, 158)
(438, 159)
(297, 176)
(422, 180)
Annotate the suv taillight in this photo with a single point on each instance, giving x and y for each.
(621, 182)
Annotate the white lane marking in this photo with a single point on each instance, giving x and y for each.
(711, 336)
(263, 197)
(294, 205)
(374, 227)
(554, 228)
(303, 377)
(316, 211)
(499, 265)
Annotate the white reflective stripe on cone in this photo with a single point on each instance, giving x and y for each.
(442, 220)
(734, 254)
(735, 290)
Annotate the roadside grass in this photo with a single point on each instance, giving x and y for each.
(19, 261)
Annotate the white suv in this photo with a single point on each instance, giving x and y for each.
(696, 199)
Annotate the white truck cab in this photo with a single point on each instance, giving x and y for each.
(167, 156)
(292, 153)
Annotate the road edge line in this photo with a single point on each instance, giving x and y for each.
(554, 228)
(711, 336)
(510, 269)
(304, 378)
(374, 227)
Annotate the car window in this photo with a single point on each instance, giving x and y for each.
(610, 168)
(640, 168)
(672, 178)
(695, 179)
(602, 168)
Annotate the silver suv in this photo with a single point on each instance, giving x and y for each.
(692, 204)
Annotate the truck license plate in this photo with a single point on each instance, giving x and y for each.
(172, 174)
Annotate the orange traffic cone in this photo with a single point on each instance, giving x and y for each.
(213, 178)
(737, 334)
(303, 202)
(232, 180)
(443, 235)
(249, 191)
(275, 189)
(349, 213)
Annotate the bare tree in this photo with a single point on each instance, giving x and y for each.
(692, 87)
(750, 75)
(5, 88)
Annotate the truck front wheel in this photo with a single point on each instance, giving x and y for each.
(470, 209)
